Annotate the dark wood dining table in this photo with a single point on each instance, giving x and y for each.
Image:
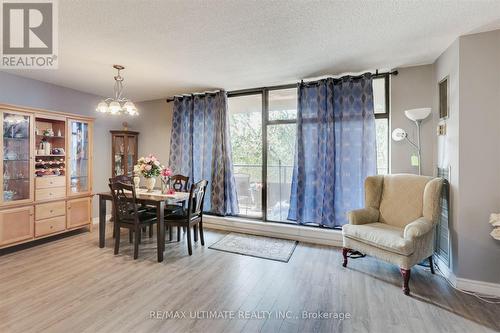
(154, 198)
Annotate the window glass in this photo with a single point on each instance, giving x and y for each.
(245, 121)
(283, 104)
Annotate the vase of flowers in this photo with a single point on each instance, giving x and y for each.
(149, 167)
(165, 174)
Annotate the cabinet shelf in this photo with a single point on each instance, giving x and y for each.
(51, 155)
(49, 137)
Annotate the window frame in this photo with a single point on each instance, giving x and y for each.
(264, 92)
(386, 114)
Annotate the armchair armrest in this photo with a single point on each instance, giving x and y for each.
(363, 216)
(417, 228)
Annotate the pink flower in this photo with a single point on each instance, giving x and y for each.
(166, 172)
(147, 167)
(170, 191)
(147, 159)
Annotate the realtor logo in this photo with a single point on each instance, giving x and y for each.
(29, 34)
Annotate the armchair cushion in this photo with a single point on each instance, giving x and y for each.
(363, 216)
(380, 235)
(417, 228)
(402, 199)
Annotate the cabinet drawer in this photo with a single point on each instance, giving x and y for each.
(49, 226)
(50, 193)
(48, 182)
(52, 209)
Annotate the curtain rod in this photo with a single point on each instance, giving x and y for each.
(206, 93)
(376, 74)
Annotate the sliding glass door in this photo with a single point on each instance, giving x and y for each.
(245, 119)
(281, 134)
(263, 134)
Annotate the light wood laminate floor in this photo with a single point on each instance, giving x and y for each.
(71, 285)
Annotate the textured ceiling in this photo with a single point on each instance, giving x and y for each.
(171, 47)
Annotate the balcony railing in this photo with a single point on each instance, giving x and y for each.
(249, 189)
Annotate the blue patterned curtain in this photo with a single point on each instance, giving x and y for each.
(336, 149)
(200, 148)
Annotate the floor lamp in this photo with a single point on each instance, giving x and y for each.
(399, 134)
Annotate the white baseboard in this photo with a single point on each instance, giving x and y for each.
(480, 287)
(300, 233)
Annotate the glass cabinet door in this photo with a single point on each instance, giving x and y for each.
(131, 154)
(16, 166)
(78, 157)
(119, 147)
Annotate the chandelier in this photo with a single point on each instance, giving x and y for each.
(118, 104)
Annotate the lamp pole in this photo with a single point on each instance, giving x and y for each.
(418, 122)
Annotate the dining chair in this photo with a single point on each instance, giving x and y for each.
(192, 216)
(127, 215)
(179, 184)
(129, 180)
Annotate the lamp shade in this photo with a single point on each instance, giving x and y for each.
(114, 107)
(102, 107)
(130, 108)
(418, 114)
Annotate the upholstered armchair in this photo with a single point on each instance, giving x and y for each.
(397, 223)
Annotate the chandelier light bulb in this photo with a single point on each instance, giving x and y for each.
(130, 108)
(114, 107)
(102, 107)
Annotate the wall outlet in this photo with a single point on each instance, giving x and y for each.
(441, 129)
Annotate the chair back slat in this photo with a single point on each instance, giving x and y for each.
(125, 207)
(196, 198)
(180, 183)
(122, 179)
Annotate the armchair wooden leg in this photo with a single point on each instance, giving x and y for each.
(345, 251)
(195, 232)
(170, 235)
(431, 264)
(406, 279)
(178, 234)
(150, 230)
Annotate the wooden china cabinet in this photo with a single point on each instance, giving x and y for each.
(123, 152)
(46, 172)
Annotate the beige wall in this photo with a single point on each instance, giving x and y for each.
(479, 155)
(471, 148)
(155, 125)
(447, 154)
(413, 88)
